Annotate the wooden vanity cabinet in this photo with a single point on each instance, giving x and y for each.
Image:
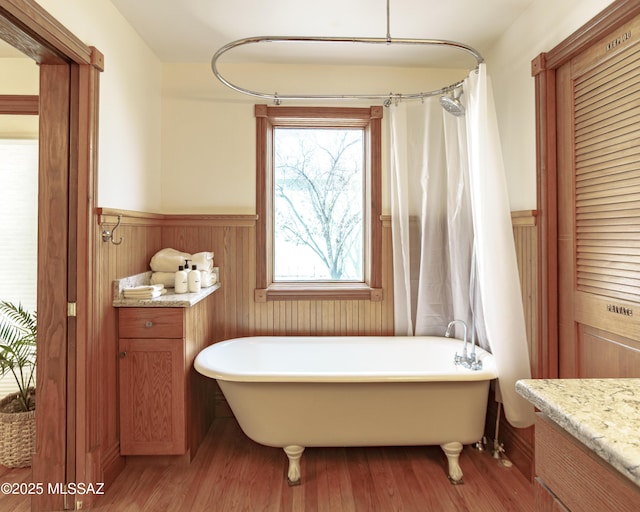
(571, 478)
(165, 407)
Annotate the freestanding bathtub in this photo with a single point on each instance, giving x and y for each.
(297, 392)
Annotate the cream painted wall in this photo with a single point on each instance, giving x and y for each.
(130, 104)
(172, 139)
(544, 25)
(18, 76)
(208, 140)
(208, 131)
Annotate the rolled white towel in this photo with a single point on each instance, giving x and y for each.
(167, 260)
(204, 260)
(207, 278)
(167, 279)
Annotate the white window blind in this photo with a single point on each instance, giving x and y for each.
(18, 228)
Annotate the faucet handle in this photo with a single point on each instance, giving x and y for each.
(476, 365)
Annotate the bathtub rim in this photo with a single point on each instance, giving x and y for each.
(452, 374)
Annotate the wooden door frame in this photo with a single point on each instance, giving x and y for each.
(543, 68)
(68, 124)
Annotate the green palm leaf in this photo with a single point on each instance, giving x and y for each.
(18, 336)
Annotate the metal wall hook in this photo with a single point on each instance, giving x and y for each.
(107, 236)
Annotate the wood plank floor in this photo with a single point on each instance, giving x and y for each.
(14, 502)
(232, 473)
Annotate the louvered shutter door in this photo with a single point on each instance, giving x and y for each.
(607, 160)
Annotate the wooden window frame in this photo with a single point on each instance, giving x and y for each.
(370, 119)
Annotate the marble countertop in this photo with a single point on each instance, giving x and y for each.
(168, 300)
(604, 414)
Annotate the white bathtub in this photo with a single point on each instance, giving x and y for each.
(295, 392)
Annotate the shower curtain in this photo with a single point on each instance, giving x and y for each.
(453, 249)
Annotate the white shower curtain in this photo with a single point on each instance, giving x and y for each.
(453, 249)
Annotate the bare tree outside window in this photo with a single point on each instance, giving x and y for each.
(318, 204)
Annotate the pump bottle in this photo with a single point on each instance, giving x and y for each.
(194, 279)
(180, 281)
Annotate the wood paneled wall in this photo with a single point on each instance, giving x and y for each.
(519, 443)
(232, 238)
(141, 239)
(526, 244)
(233, 241)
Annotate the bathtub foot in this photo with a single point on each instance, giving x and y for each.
(452, 451)
(294, 452)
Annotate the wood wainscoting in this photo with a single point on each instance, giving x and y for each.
(519, 443)
(526, 244)
(141, 238)
(232, 238)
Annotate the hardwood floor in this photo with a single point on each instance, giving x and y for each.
(9, 479)
(232, 473)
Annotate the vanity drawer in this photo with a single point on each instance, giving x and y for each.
(151, 323)
(576, 476)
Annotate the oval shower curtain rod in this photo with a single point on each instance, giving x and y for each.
(389, 97)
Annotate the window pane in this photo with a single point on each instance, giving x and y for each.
(318, 204)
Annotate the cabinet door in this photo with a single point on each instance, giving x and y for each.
(577, 476)
(152, 397)
(545, 500)
(598, 192)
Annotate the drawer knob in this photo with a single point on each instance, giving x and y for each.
(148, 323)
(123, 354)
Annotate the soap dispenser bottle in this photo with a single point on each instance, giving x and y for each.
(194, 279)
(180, 281)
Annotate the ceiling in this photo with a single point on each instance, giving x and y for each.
(192, 30)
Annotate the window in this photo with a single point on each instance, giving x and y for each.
(318, 203)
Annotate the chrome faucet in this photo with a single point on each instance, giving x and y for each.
(473, 357)
(463, 358)
(466, 360)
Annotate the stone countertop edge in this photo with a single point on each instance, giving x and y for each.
(168, 300)
(603, 414)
